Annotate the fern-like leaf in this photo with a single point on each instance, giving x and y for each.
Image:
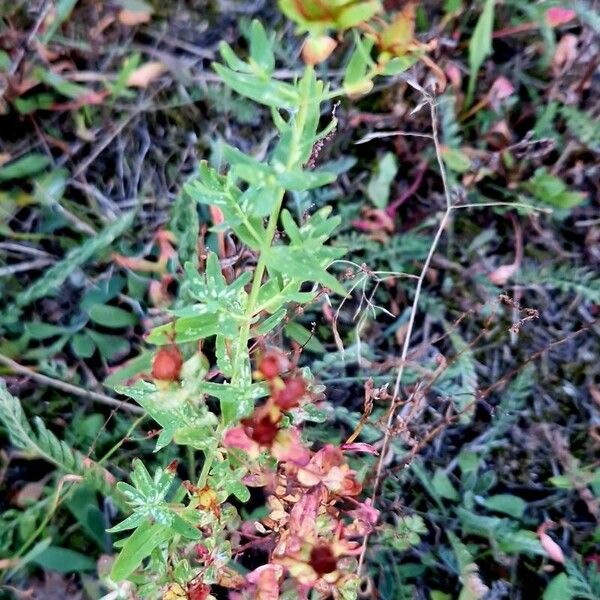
(583, 127)
(44, 444)
(58, 273)
(459, 381)
(568, 279)
(584, 583)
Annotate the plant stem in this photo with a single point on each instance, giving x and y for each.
(191, 456)
(244, 337)
(240, 352)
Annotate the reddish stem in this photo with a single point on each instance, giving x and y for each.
(414, 186)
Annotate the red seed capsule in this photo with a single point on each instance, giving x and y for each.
(167, 364)
(262, 430)
(322, 559)
(289, 396)
(269, 365)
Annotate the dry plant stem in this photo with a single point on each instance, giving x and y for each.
(69, 388)
(413, 314)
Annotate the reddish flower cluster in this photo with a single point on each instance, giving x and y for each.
(313, 535)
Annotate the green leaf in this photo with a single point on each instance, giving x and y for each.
(62, 11)
(192, 329)
(35, 552)
(310, 413)
(443, 486)
(42, 331)
(111, 316)
(298, 263)
(399, 64)
(480, 46)
(271, 93)
(231, 59)
(559, 588)
(83, 345)
(60, 84)
(300, 181)
(357, 13)
(271, 322)
(520, 542)
(49, 187)
(137, 547)
(456, 160)
(44, 444)
(5, 61)
(132, 367)
(63, 560)
(381, 180)
(261, 51)
(54, 277)
(356, 80)
(25, 166)
(304, 337)
(27, 106)
(227, 478)
(507, 504)
(83, 505)
(552, 190)
(468, 569)
(110, 346)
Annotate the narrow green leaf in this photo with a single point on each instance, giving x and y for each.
(480, 46)
(271, 322)
(25, 166)
(64, 560)
(355, 75)
(261, 51)
(111, 316)
(304, 337)
(58, 273)
(137, 547)
(443, 486)
(300, 181)
(271, 93)
(507, 504)
(381, 180)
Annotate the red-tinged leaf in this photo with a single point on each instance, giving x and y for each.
(266, 581)
(317, 49)
(288, 447)
(360, 447)
(146, 74)
(558, 15)
(237, 438)
(552, 549)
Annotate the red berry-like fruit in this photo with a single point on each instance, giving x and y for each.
(167, 364)
(289, 396)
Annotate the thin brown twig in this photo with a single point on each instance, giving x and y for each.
(69, 388)
(413, 313)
